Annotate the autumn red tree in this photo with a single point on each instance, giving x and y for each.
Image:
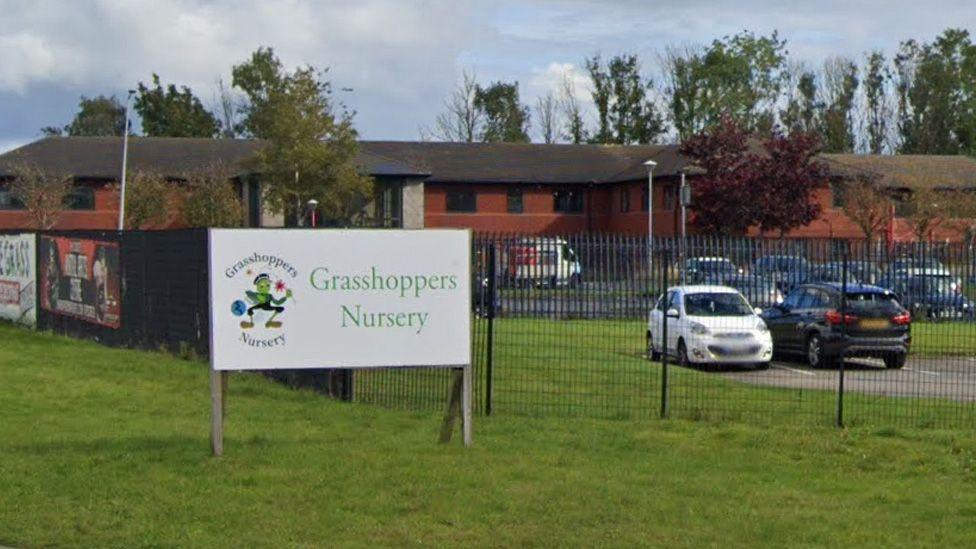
(751, 182)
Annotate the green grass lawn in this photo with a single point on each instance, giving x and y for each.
(590, 368)
(109, 448)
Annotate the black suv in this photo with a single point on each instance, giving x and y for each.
(809, 323)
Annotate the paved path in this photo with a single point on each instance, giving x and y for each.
(944, 377)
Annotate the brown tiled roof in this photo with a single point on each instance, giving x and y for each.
(530, 162)
(101, 157)
(907, 170)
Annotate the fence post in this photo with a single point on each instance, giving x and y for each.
(490, 339)
(664, 339)
(843, 331)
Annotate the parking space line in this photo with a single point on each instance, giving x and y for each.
(804, 372)
(922, 371)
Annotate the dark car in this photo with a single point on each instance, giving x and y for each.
(932, 296)
(810, 323)
(760, 292)
(786, 271)
(830, 273)
(861, 271)
(710, 270)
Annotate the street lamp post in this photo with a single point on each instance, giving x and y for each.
(312, 205)
(125, 160)
(650, 165)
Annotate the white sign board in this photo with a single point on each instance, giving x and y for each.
(17, 279)
(339, 298)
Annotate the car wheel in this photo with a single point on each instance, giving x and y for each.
(683, 354)
(652, 354)
(574, 281)
(815, 352)
(895, 361)
(762, 365)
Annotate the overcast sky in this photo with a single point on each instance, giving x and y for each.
(400, 58)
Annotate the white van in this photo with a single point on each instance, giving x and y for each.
(542, 262)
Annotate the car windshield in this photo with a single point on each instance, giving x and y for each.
(712, 265)
(934, 284)
(716, 304)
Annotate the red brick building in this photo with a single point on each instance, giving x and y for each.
(526, 188)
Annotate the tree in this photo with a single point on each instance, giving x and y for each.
(572, 113)
(770, 188)
(147, 200)
(547, 112)
(788, 174)
(505, 118)
(739, 76)
(926, 209)
(867, 205)
(42, 192)
(840, 84)
(461, 119)
(625, 112)
(937, 95)
(210, 199)
(803, 108)
(310, 150)
(227, 109)
(877, 103)
(171, 112)
(97, 117)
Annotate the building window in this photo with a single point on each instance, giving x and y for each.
(80, 198)
(462, 201)
(670, 195)
(624, 200)
(389, 204)
(567, 201)
(8, 201)
(837, 195)
(515, 201)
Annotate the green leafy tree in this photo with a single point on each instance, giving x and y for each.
(310, 149)
(147, 200)
(210, 199)
(877, 103)
(840, 85)
(803, 109)
(625, 112)
(505, 119)
(740, 75)
(97, 117)
(937, 95)
(172, 112)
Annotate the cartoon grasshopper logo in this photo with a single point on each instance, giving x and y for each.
(263, 300)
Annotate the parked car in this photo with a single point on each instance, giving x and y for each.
(709, 270)
(786, 271)
(862, 271)
(830, 272)
(708, 325)
(761, 292)
(809, 323)
(932, 296)
(542, 262)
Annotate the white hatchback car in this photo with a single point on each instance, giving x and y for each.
(708, 325)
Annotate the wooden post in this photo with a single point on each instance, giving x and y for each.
(454, 404)
(467, 404)
(218, 387)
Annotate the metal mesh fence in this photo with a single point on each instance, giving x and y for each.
(817, 331)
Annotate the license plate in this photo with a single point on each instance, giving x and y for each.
(874, 324)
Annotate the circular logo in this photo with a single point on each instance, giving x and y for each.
(238, 308)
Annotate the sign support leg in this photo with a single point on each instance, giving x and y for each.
(218, 394)
(453, 407)
(467, 404)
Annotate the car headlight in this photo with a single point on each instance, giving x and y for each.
(698, 328)
(761, 326)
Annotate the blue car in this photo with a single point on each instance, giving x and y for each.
(931, 296)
